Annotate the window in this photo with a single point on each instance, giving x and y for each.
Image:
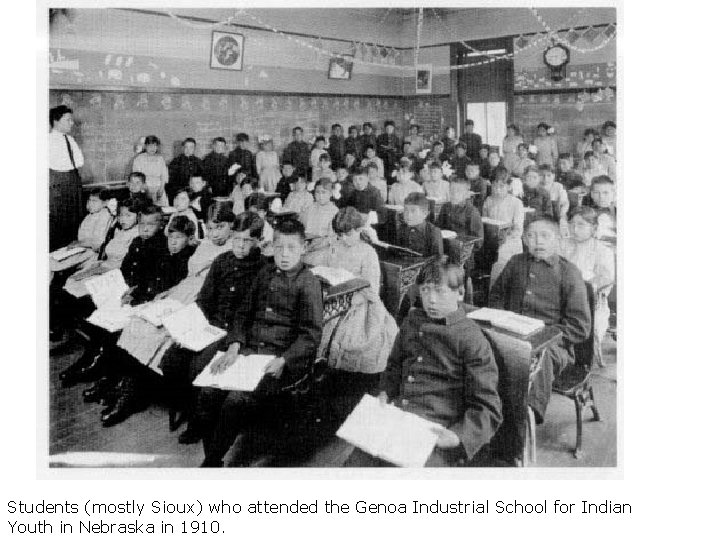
(490, 121)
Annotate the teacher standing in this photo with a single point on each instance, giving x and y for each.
(65, 200)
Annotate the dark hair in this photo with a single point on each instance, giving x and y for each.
(351, 152)
(389, 123)
(220, 213)
(367, 124)
(416, 126)
(189, 139)
(353, 128)
(416, 199)
(406, 142)
(291, 227)
(371, 165)
(324, 157)
(440, 271)
(588, 154)
(249, 221)
(545, 167)
(469, 122)
(547, 221)
(335, 125)
(500, 174)
(460, 180)
(565, 155)
(436, 143)
(494, 151)
(219, 139)
(590, 131)
(461, 145)
(181, 224)
(102, 194)
(184, 190)
(608, 124)
(484, 147)
(369, 147)
(297, 128)
(324, 182)
(56, 113)
(150, 210)
(242, 137)
(198, 175)
(320, 138)
(347, 219)
(257, 200)
(514, 128)
(529, 169)
(138, 174)
(434, 164)
(597, 139)
(585, 212)
(543, 125)
(523, 145)
(601, 179)
(133, 205)
(152, 139)
(250, 180)
(288, 162)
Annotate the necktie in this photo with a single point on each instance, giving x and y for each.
(69, 147)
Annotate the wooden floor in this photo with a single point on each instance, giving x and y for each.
(77, 438)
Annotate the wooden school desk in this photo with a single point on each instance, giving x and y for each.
(338, 299)
(494, 232)
(516, 357)
(399, 273)
(463, 245)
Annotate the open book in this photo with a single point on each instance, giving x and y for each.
(333, 276)
(112, 319)
(507, 320)
(65, 253)
(398, 249)
(154, 312)
(384, 431)
(189, 328)
(244, 375)
(107, 289)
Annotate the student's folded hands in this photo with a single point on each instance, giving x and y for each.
(227, 360)
(275, 367)
(127, 298)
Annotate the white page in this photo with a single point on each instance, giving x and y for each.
(112, 319)
(389, 433)
(65, 252)
(334, 276)
(490, 315)
(107, 289)
(448, 235)
(244, 375)
(189, 327)
(154, 312)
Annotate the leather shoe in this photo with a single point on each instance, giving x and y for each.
(92, 369)
(98, 391)
(127, 404)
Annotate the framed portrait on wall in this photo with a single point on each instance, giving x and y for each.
(226, 51)
(423, 79)
(340, 67)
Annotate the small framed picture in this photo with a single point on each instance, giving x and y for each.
(226, 51)
(340, 67)
(423, 79)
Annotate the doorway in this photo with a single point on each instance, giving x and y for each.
(490, 120)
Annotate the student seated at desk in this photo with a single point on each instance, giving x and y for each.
(342, 188)
(415, 232)
(377, 181)
(478, 185)
(364, 197)
(318, 217)
(95, 225)
(201, 199)
(215, 168)
(241, 158)
(370, 157)
(404, 186)
(299, 199)
(592, 168)
(182, 168)
(517, 163)
(124, 385)
(605, 160)
(504, 207)
(602, 199)
(453, 375)
(135, 188)
(460, 161)
(459, 215)
(323, 169)
(534, 195)
(566, 175)
(221, 296)
(287, 176)
(181, 204)
(282, 316)
(559, 202)
(543, 285)
(258, 203)
(436, 186)
(493, 162)
(244, 187)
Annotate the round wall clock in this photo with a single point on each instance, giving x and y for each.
(556, 57)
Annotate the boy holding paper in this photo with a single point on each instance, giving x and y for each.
(543, 285)
(281, 316)
(221, 295)
(442, 369)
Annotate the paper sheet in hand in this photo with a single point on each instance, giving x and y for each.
(107, 289)
(154, 312)
(448, 235)
(244, 375)
(334, 276)
(384, 431)
(189, 327)
(63, 253)
(112, 319)
(507, 320)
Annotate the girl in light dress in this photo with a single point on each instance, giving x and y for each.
(268, 166)
(546, 144)
(596, 262)
(152, 165)
(511, 140)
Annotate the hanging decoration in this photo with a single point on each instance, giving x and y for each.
(591, 32)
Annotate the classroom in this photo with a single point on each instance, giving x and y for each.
(333, 237)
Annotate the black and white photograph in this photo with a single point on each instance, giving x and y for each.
(347, 238)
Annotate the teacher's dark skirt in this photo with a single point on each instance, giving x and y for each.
(65, 207)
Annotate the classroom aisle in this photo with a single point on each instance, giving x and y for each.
(144, 439)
